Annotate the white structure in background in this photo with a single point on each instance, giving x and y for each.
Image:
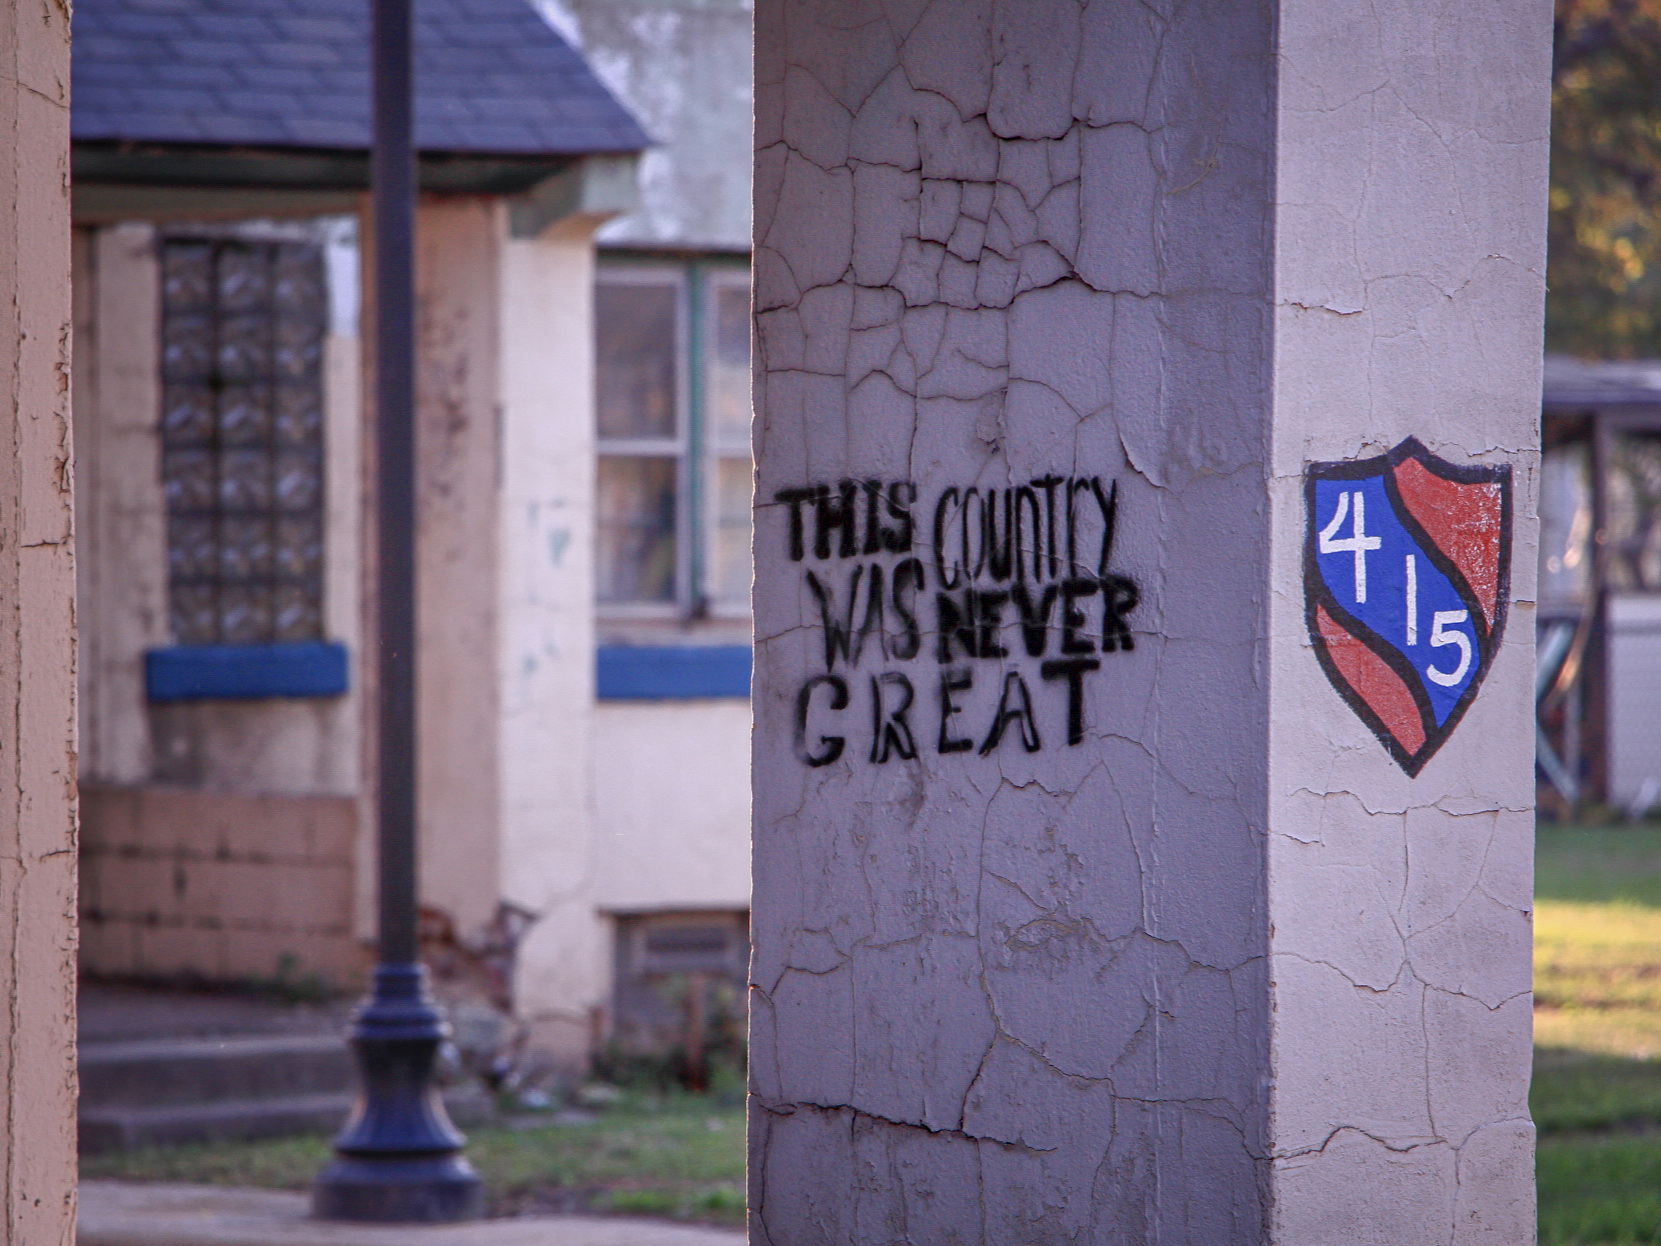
(1602, 429)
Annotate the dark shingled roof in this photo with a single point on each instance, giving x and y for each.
(491, 77)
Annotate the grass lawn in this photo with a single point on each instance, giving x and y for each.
(1597, 1032)
(681, 1157)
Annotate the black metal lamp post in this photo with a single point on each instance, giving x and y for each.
(398, 1158)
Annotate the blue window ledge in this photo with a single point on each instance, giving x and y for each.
(671, 672)
(237, 672)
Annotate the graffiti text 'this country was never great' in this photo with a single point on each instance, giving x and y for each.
(972, 572)
(1031, 556)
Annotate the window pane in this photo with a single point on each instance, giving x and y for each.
(192, 548)
(729, 367)
(1634, 536)
(636, 529)
(188, 481)
(187, 415)
(244, 415)
(194, 614)
(635, 360)
(245, 613)
(245, 551)
(187, 348)
(245, 480)
(244, 279)
(1565, 524)
(732, 532)
(187, 276)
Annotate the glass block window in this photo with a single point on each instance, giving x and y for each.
(672, 412)
(242, 439)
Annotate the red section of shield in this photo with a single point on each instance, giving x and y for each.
(1378, 687)
(1465, 520)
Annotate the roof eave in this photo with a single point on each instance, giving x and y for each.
(253, 167)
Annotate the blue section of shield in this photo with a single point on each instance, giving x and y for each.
(1416, 610)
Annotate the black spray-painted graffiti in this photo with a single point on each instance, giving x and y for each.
(1016, 576)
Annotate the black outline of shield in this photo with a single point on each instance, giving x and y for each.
(1315, 592)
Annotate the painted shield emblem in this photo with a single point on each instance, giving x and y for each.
(1407, 568)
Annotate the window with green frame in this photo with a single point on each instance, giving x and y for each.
(672, 423)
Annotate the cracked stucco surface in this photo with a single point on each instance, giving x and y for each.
(1411, 171)
(1194, 979)
(37, 640)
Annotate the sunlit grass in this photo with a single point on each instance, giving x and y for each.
(1597, 975)
(1597, 1024)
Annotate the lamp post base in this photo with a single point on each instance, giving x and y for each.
(398, 1160)
(436, 1189)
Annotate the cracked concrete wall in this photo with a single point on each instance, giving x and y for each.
(37, 642)
(1409, 284)
(1034, 922)
(1018, 996)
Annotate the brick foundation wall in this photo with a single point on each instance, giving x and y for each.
(218, 886)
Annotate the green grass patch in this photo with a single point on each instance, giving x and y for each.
(681, 1157)
(1578, 1091)
(1602, 864)
(1599, 1189)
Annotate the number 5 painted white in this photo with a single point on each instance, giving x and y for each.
(1438, 638)
(1358, 543)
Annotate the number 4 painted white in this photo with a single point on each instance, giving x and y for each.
(1358, 542)
(1438, 637)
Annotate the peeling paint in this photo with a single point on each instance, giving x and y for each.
(38, 652)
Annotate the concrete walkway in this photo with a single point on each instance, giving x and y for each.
(120, 1214)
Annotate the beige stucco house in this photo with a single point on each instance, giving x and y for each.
(583, 424)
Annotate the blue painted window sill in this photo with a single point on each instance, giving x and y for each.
(671, 672)
(245, 672)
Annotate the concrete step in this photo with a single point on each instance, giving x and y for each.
(159, 1073)
(125, 1129)
(239, 1120)
(163, 1092)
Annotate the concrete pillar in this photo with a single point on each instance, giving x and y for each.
(37, 634)
(507, 651)
(121, 565)
(458, 261)
(545, 665)
(1120, 874)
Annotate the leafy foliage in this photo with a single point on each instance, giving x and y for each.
(1604, 270)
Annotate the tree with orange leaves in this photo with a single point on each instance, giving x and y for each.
(1604, 270)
